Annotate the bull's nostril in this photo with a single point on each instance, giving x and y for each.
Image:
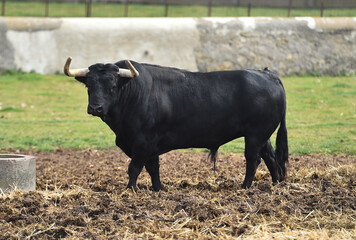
(99, 109)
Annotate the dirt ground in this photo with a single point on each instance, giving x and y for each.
(82, 195)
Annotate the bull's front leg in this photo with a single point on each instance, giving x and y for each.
(152, 167)
(135, 169)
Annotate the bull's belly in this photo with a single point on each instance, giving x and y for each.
(207, 139)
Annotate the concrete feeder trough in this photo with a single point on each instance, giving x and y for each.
(17, 172)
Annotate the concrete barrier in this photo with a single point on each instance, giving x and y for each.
(286, 45)
(17, 172)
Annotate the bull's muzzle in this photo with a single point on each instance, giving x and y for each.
(96, 110)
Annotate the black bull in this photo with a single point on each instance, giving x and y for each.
(163, 108)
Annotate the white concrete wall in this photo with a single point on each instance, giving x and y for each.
(43, 47)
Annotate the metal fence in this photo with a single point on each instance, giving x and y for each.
(281, 8)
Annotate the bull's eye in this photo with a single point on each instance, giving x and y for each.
(113, 88)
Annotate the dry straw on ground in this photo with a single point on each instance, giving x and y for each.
(82, 195)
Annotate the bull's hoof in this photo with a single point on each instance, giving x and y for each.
(157, 188)
(282, 177)
(283, 173)
(156, 184)
(246, 185)
(131, 186)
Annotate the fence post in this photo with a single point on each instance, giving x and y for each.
(322, 9)
(209, 7)
(88, 8)
(47, 8)
(166, 8)
(3, 8)
(249, 9)
(289, 7)
(126, 8)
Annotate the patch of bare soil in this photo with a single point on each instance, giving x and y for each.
(82, 195)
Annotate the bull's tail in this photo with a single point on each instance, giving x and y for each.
(282, 149)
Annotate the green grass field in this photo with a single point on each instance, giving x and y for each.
(136, 10)
(46, 112)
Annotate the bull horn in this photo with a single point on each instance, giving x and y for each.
(131, 73)
(80, 72)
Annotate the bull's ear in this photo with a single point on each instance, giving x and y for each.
(82, 80)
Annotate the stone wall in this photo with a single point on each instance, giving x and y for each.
(285, 45)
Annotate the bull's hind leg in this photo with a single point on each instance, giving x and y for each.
(152, 167)
(253, 159)
(268, 155)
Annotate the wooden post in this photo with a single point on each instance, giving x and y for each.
(289, 7)
(126, 8)
(322, 9)
(249, 9)
(47, 8)
(3, 8)
(88, 14)
(166, 9)
(209, 7)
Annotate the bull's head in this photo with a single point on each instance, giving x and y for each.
(103, 82)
